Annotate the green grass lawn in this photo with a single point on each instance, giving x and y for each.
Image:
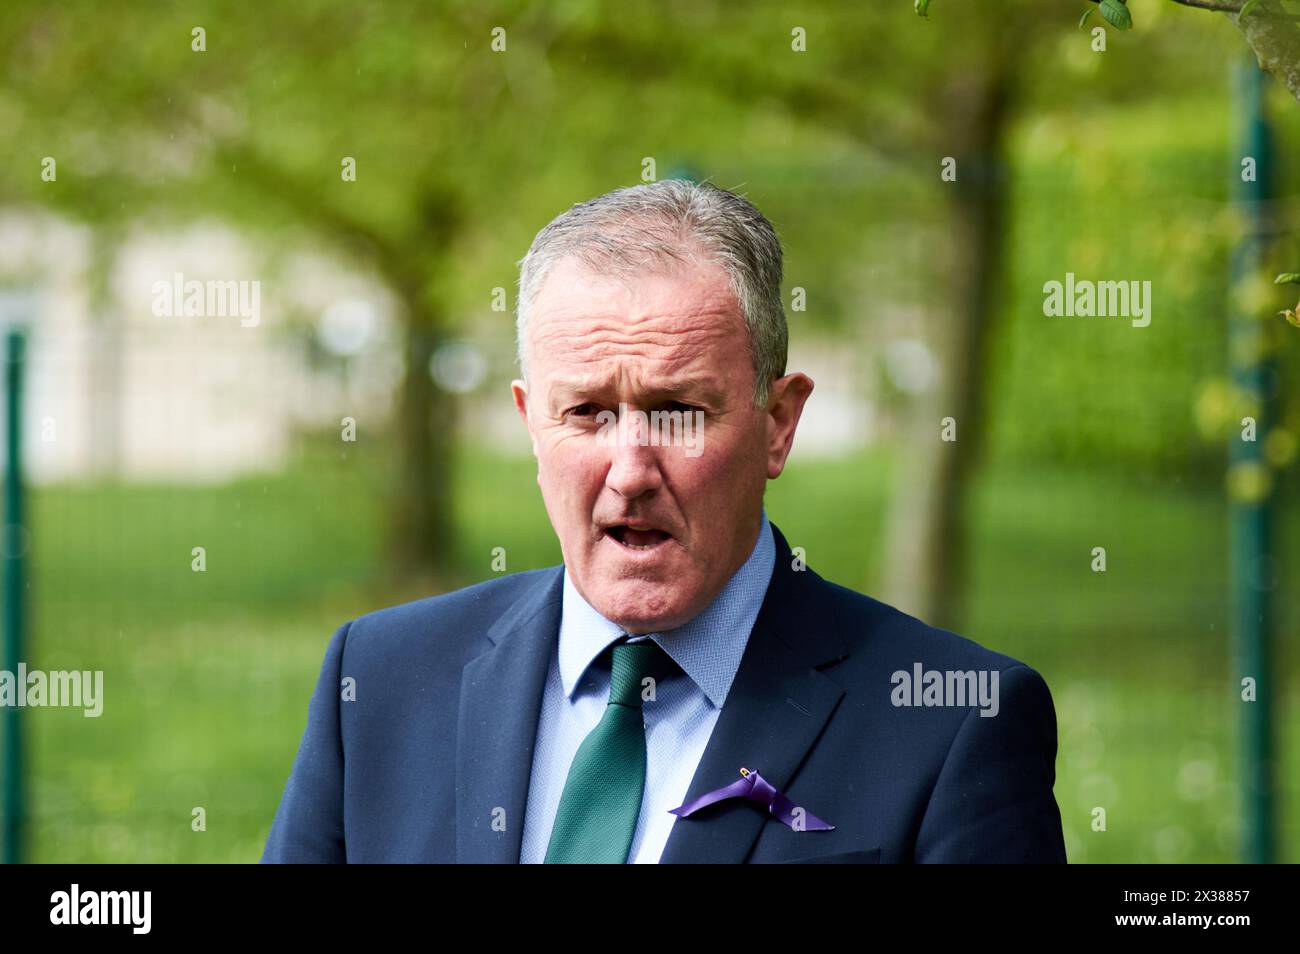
(207, 675)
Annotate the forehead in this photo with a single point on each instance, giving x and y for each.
(684, 315)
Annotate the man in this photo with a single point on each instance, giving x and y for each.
(683, 688)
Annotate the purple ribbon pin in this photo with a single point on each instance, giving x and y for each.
(754, 788)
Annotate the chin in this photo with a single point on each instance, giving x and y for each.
(647, 607)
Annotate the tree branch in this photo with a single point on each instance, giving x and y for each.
(1220, 6)
(1275, 40)
(831, 103)
(1270, 31)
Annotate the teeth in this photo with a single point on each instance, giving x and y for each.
(638, 538)
(642, 539)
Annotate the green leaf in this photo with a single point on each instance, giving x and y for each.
(922, 8)
(1287, 278)
(1116, 14)
(1246, 8)
(1084, 19)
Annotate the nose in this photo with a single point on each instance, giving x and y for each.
(634, 461)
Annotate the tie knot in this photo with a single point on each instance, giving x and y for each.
(632, 664)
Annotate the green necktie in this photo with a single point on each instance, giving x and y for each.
(602, 795)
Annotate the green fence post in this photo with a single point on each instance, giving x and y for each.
(1250, 507)
(15, 539)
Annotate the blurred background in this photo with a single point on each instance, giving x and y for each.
(379, 170)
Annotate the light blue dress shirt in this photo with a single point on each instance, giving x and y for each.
(678, 721)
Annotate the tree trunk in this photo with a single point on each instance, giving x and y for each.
(422, 525)
(106, 380)
(929, 532)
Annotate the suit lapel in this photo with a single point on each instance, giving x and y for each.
(777, 706)
(500, 705)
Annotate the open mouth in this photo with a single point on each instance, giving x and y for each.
(634, 539)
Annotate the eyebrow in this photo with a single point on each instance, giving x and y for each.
(701, 388)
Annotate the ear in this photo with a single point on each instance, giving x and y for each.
(520, 391)
(785, 402)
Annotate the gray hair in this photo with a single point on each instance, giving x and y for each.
(660, 224)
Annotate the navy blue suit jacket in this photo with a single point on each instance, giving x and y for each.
(431, 760)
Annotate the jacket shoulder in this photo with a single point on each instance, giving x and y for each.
(870, 626)
(456, 621)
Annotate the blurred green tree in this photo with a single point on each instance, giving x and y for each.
(465, 124)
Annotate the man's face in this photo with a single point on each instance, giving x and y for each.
(650, 533)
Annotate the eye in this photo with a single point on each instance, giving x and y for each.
(582, 410)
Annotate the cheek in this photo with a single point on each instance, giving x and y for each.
(571, 472)
(730, 460)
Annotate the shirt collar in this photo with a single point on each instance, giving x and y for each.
(708, 648)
